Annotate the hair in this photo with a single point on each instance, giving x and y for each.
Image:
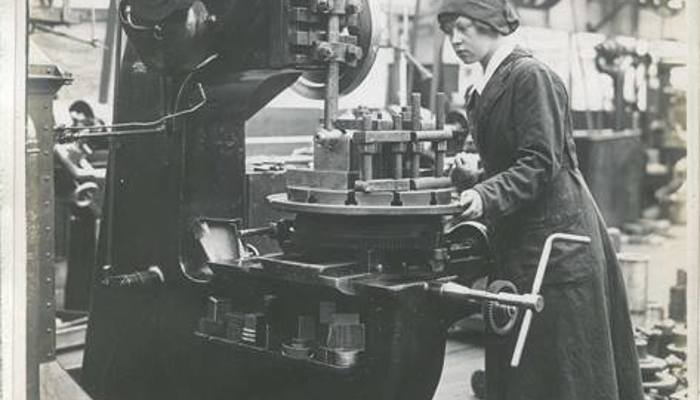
(481, 27)
(81, 106)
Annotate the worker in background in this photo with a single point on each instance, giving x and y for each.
(82, 115)
(581, 346)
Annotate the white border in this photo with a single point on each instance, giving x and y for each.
(693, 197)
(12, 218)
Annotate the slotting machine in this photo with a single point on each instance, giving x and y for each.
(374, 266)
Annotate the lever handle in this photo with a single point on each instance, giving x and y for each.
(537, 284)
(153, 276)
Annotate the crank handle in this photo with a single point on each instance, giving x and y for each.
(537, 284)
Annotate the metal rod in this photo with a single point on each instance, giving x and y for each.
(260, 231)
(398, 149)
(440, 101)
(142, 131)
(367, 150)
(367, 166)
(111, 187)
(430, 182)
(398, 164)
(458, 292)
(144, 127)
(330, 109)
(438, 146)
(439, 160)
(416, 126)
(108, 53)
(412, 45)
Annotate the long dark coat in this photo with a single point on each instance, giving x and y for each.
(581, 347)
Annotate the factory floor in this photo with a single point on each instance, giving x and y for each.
(462, 359)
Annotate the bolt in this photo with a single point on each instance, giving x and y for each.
(324, 51)
(49, 330)
(48, 304)
(323, 6)
(352, 8)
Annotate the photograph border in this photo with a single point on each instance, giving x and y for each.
(13, 284)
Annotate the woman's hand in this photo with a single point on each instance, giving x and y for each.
(465, 170)
(472, 203)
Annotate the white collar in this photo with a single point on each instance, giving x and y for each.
(502, 51)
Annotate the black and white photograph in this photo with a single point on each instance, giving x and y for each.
(349, 199)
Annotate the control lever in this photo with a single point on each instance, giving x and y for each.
(537, 284)
(151, 277)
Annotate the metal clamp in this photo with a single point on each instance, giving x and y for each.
(537, 284)
(84, 194)
(125, 18)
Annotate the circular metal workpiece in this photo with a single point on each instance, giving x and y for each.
(312, 84)
(281, 202)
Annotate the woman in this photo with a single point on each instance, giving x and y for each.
(581, 346)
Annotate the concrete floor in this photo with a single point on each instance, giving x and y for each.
(461, 360)
(666, 255)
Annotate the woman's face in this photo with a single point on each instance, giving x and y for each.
(469, 44)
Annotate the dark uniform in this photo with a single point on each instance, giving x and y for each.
(581, 347)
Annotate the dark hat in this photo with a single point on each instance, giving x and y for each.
(157, 10)
(498, 14)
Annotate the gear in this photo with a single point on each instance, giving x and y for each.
(500, 318)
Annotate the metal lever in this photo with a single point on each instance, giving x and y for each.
(153, 276)
(455, 291)
(537, 284)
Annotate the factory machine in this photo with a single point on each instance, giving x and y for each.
(373, 268)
